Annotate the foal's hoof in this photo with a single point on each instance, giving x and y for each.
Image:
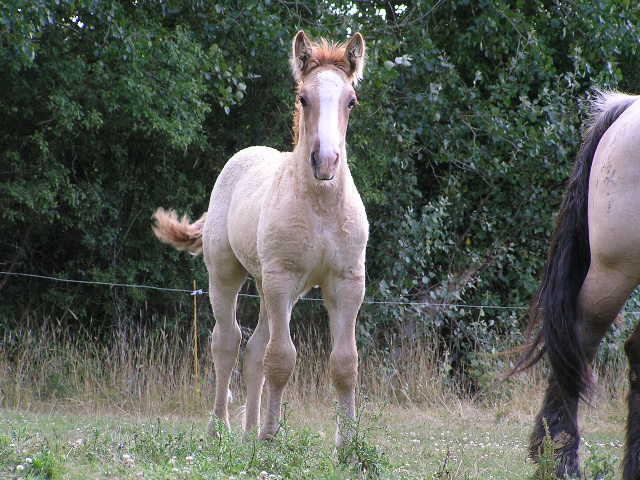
(212, 430)
(216, 427)
(268, 435)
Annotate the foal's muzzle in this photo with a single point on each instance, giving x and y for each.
(323, 169)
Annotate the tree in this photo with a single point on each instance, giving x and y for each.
(469, 120)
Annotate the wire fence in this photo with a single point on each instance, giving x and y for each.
(308, 299)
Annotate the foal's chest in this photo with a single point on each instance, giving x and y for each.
(316, 244)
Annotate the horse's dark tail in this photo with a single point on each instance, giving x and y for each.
(555, 305)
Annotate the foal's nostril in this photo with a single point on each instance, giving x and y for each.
(314, 159)
(335, 160)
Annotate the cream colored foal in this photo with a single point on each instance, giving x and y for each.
(292, 221)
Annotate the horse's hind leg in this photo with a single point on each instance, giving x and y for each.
(601, 297)
(631, 463)
(254, 367)
(225, 280)
(561, 420)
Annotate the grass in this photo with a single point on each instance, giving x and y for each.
(462, 442)
(131, 408)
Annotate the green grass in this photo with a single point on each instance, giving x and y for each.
(62, 446)
(443, 443)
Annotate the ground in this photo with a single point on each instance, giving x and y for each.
(455, 440)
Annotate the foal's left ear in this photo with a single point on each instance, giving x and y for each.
(354, 53)
(300, 55)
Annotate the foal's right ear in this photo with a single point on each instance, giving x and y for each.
(355, 55)
(300, 55)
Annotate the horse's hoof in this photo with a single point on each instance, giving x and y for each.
(565, 452)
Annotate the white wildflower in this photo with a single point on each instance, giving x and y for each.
(404, 60)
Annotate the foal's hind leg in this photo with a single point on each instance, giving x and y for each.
(602, 295)
(225, 281)
(254, 367)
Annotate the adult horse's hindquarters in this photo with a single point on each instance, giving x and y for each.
(593, 266)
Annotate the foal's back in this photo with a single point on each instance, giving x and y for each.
(234, 209)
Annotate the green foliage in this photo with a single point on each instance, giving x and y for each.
(481, 109)
(547, 463)
(470, 118)
(359, 453)
(600, 466)
(46, 465)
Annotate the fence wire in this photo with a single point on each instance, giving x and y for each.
(307, 299)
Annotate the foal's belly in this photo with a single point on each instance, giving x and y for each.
(247, 198)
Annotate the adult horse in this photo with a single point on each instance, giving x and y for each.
(593, 266)
(292, 221)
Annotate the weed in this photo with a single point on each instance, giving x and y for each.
(547, 462)
(46, 465)
(600, 465)
(443, 472)
(359, 451)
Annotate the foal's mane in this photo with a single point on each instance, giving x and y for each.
(324, 52)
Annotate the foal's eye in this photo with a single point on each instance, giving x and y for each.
(352, 103)
(303, 101)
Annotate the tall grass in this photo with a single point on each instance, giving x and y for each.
(135, 370)
(45, 365)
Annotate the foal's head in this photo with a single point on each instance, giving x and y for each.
(326, 74)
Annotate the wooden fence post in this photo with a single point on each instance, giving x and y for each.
(196, 363)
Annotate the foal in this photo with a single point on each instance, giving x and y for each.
(292, 221)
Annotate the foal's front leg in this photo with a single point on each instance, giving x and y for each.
(280, 355)
(343, 298)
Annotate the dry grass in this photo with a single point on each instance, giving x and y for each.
(134, 371)
(44, 366)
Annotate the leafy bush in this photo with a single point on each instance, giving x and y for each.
(470, 118)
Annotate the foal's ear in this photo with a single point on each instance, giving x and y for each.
(300, 55)
(354, 53)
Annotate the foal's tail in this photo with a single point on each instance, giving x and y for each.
(182, 234)
(555, 305)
